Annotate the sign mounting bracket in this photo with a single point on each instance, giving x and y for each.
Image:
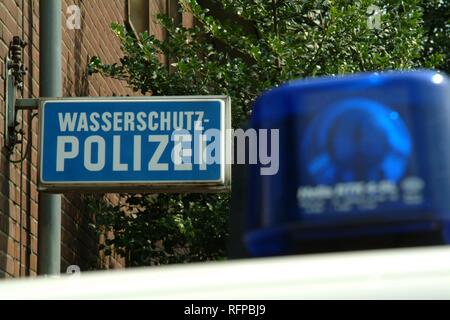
(14, 72)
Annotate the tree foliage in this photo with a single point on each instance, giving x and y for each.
(241, 48)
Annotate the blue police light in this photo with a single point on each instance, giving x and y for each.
(360, 155)
(357, 139)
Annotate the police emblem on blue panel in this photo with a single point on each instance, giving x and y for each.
(356, 140)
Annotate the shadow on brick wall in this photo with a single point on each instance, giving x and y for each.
(80, 243)
(4, 214)
(80, 86)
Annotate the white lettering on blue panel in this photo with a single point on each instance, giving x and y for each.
(126, 144)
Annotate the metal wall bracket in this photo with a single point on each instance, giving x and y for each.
(27, 104)
(14, 73)
(10, 112)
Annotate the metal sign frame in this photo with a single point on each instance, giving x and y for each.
(221, 185)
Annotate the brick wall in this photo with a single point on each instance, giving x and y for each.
(18, 194)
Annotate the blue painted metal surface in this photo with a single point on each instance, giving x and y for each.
(129, 143)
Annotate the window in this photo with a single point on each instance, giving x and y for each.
(138, 14)
(141, 15)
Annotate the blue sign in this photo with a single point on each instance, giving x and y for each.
(157, 143)
(360, 155)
